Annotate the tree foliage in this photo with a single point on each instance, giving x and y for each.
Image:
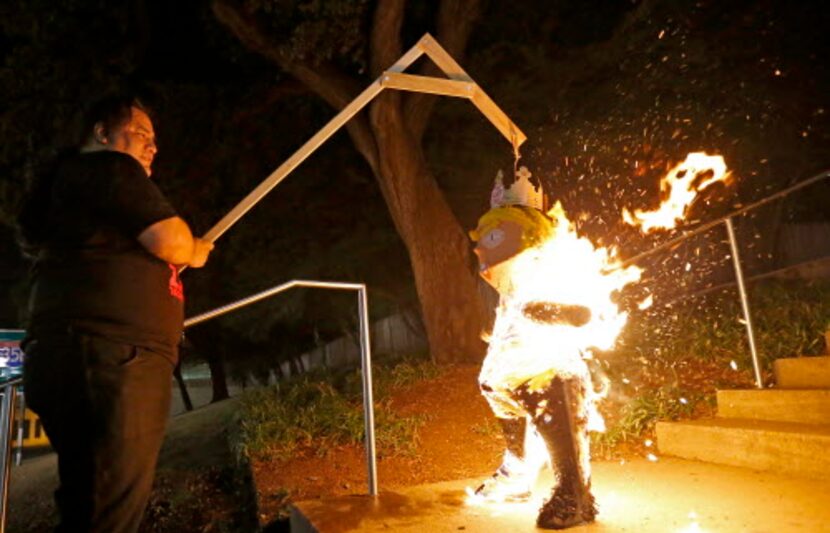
(609, 93)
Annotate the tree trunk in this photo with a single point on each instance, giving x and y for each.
(439, 250)
(390, 141)
(177, 373)
(218, 378)
(278, 373)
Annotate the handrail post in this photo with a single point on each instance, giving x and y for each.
(368, 402)
(739, 275)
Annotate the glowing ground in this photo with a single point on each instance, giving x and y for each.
(670, 495)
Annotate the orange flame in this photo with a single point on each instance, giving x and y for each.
(565, 269)
(680, 186)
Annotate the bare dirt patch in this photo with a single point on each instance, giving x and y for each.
(458, 439)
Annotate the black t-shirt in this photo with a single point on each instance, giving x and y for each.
(92, 273)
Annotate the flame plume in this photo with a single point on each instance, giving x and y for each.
(680, 186)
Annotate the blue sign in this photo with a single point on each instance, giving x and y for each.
(11, 356)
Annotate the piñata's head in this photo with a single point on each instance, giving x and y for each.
(513, 224)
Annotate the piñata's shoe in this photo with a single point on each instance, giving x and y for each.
(508, 484)
(566, 509)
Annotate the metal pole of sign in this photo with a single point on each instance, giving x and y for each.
(368, 403)
(21, 413)
(739, 275)
(7, 421)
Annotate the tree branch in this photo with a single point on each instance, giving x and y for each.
(455, 22)
(385, 40)
(328, 82)
(384, 50)
(268, 96)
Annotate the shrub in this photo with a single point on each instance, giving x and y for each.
(323, 409)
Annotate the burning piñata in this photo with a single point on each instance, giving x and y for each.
(556, 304)
(555, 293)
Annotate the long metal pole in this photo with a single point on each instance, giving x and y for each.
(294, 161)
(7, 421)
(368, 402)
(739, 275)
(459, 84)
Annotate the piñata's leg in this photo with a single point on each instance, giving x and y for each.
(513, 430)
(510, 481)
(558, 413)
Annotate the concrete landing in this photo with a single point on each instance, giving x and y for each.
(670, 495)
(802, 372)
(807, 406)
(783, 447)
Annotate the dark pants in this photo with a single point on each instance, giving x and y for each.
(104, 406)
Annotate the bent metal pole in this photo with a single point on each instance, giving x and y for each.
(458, 84)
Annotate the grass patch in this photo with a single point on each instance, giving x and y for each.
(674, 358)
(323, 409)
(638, 417)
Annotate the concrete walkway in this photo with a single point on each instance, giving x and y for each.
(670, 495)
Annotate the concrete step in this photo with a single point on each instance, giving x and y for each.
(782, 447)
(802, 372)
(781, 405)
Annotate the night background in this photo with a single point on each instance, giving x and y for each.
(611, 94)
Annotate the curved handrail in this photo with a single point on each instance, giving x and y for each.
(267, 294)
(365, 351)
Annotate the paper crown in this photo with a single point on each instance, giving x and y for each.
(521, 192)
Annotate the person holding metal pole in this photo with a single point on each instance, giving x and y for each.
(105, 315)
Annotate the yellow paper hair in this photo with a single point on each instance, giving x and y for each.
(535, 226)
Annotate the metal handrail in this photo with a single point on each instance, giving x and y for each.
(365, 351)
(736, 261)
(7, 390)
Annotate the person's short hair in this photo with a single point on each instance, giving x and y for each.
(112, 111)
